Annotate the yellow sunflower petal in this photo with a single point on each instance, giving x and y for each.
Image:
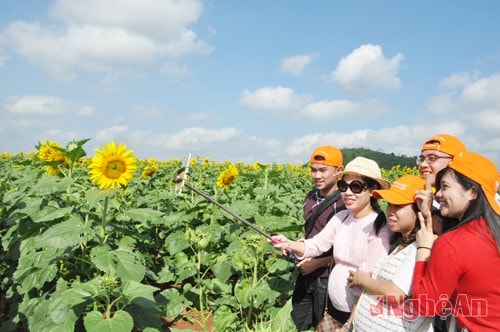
(113, 166)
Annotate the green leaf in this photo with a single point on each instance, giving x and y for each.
(49, 184)
(176, 242)
(122, 262)
(132, 289)
(281, 320)
(44, 319)
(225, 318)
(74, 150)
(145, 314)
(142, 215)
(223, 269)
(242, 292)
(101, 258)
(49, 213)
(35, 267)
(121, 321)
(171, 302)
(95, 196)
(66, 234)
(185, 267)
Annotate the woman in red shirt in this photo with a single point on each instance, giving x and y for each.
(459, 279)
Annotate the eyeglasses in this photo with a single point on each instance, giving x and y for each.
(431, 158)
(355, 186)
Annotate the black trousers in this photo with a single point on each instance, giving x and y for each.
(308, 301)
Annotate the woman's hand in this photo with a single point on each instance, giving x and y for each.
(425, 237)
(356, 278)
(279, 242)
(424, 198)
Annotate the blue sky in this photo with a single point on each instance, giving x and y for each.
(252, 80)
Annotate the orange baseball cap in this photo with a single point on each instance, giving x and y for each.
(445, 143)
(481, 170)
(402, 191)
(328, 155)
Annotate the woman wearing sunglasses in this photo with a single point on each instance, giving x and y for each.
(382, 303)
(359, 235)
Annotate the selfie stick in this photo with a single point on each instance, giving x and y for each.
(180, 181)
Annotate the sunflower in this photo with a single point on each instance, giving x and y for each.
(112, 166)
(55, 160)
(149, 171)
(227, 177)
(48, 150)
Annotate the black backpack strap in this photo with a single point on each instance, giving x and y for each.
(334, 197)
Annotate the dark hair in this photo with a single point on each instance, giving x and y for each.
(477, 208)
(397, 237)
(319, 157)
(381, 220)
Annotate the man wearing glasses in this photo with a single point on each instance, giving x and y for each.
(436, 154)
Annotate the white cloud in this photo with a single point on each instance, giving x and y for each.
(485, 120)
(199, 117)
(109, 35)
(198, 136)
(172, 69)
(296, 64)
(324, 109)
(61, 136)
(111, 134)
(441, 105)
(146, 113)
(306, 144)
(477, 104)
(483, 93)
(3, 59)
(269, 98)
(456, 80)
(86, 111)
(37, 105)
(367, 68)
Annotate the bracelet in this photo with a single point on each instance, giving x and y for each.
(424, 248)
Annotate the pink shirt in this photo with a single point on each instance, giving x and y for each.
(356, 246)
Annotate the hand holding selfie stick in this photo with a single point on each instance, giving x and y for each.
(180, 181)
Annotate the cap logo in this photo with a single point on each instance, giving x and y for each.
(399, 185)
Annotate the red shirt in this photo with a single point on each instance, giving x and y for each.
(464, 267)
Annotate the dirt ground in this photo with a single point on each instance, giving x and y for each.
(182, 324)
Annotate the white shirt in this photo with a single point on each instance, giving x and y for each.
(373, 314)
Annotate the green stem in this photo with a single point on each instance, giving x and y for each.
(104, 221)
(255, 282)
(200, 294)
(83, 245)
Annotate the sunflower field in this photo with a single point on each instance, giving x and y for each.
(105, 243)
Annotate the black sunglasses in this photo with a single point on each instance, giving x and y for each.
(355, 186)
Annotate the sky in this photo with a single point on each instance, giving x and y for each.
(249, 81)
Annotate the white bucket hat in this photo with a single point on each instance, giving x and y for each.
(365, 167)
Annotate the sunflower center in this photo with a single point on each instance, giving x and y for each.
(228, 179)
(114, 169)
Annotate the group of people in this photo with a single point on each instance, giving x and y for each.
(430, 262)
